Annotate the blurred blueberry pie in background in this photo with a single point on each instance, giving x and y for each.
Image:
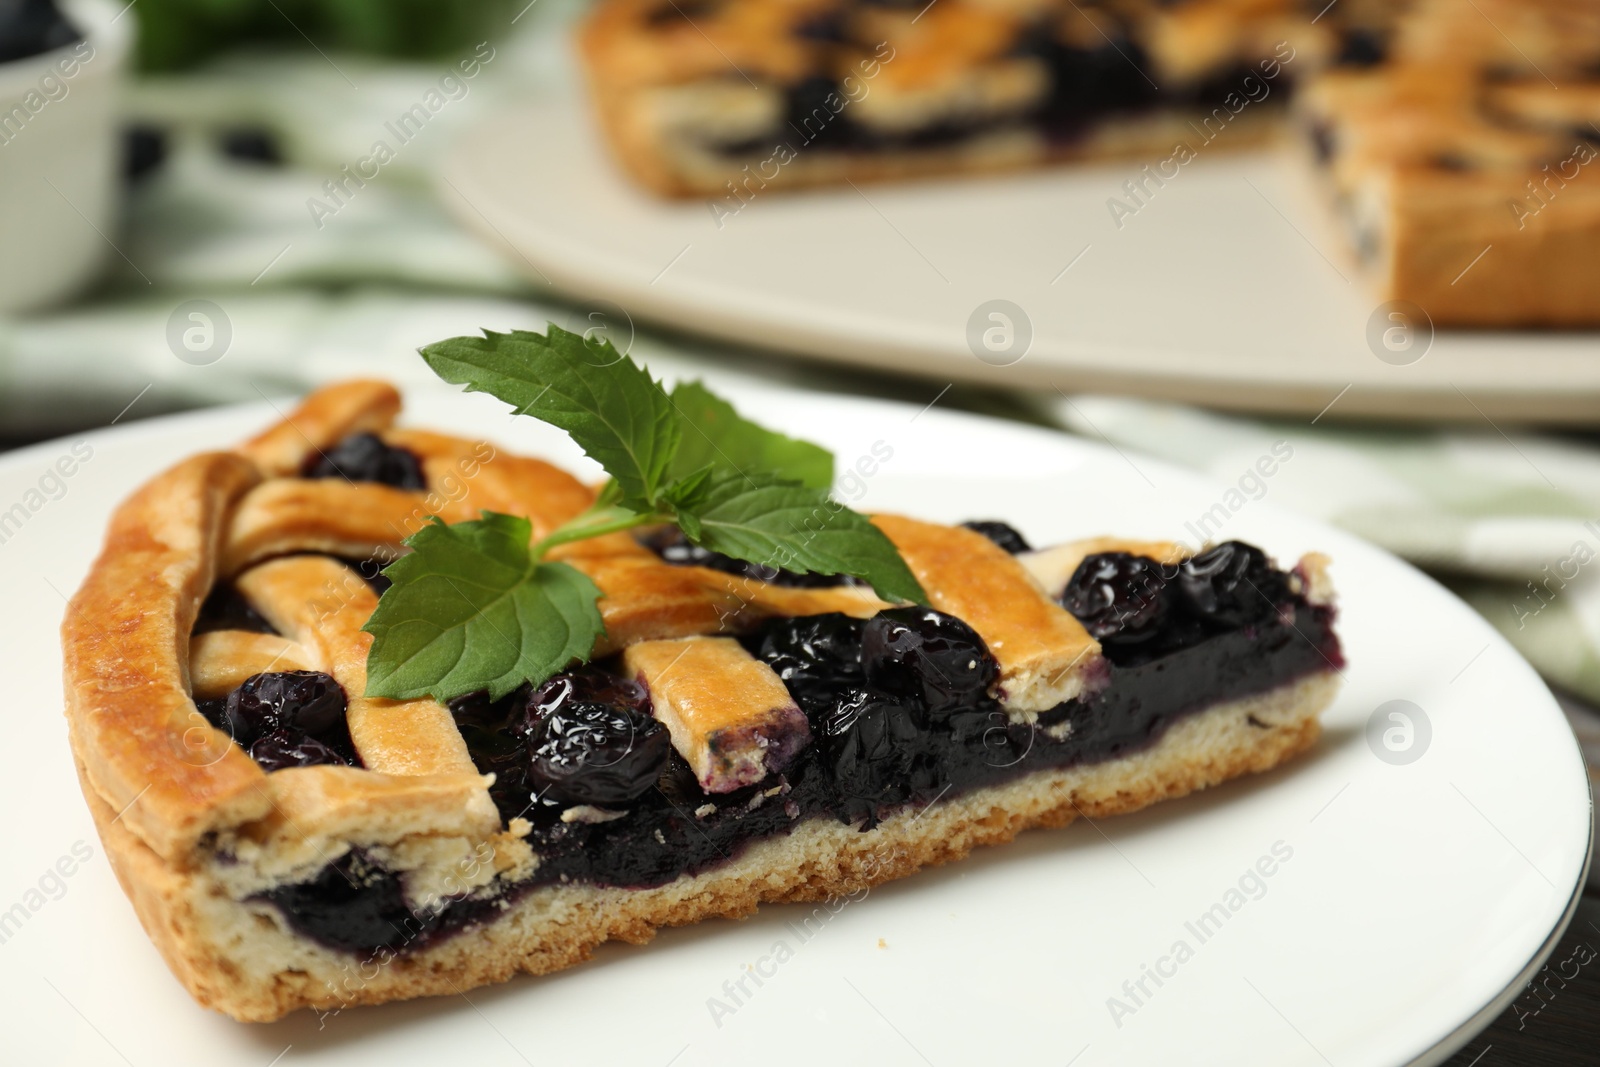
(365, 713)
(699, 93)
(1453, 137)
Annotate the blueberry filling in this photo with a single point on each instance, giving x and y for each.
(1361, 48)
(868, 742)
(363, 457)
(900, 712)
(493, 733)
(286, 719)
(144, 148)
(826, 26)
(356, 905)
(225, 608)
(1001, 533)
(1323, 143)
(670, 544)
(1088, 85)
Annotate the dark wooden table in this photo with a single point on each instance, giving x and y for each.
(1555, 1022)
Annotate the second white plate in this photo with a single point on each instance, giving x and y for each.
(1228, 285)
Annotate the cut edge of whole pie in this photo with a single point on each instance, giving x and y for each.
(1456, 142)
(282, 855)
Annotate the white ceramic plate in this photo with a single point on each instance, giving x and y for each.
(1229, 287)
(1412, 900)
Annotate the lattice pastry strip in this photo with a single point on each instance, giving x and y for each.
(402, 737)
(221, 661)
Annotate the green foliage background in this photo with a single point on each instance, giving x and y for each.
(178, 34)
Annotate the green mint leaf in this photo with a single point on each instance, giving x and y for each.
(471, 609)
(610, 405)
(780, 523)
(714, 434)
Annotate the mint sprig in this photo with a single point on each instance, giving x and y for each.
(475, 606)
(758, 517)
(713, 434)
(613, 409)
(476, 610)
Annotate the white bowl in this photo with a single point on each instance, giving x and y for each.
(59, 159)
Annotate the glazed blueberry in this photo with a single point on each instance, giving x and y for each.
(1003, 534)
(289, 748)
(815, 655)
(287, 719)
(363, 457)
(928, 657)
(587, 684)
(215, 712)
(302, 702)
(585, 753)
(1119, 598)
(1231, 585)
(869, 741)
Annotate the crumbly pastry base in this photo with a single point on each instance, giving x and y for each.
(241, 958)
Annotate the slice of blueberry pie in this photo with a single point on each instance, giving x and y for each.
(365, 713)
(722, 98)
